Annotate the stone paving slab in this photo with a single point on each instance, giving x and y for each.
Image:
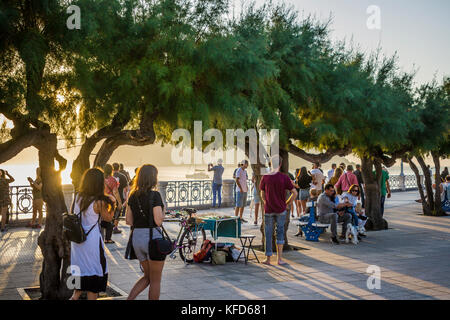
(413, 256)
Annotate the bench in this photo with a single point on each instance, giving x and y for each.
(311, 228)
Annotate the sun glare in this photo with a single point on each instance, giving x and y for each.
(9, 123)
(60, 98)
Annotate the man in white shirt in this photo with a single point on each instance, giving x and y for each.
(330, 172)
(241, 190)
(318, 177)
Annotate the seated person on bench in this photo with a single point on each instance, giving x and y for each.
(313, 195)
(326, 212)
(352, 197)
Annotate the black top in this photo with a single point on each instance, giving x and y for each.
(358, 175)
(123, 183)
(139, 220)
(304, 181)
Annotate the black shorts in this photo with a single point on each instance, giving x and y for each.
(94, 284)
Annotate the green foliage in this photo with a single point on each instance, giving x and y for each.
(187, 60)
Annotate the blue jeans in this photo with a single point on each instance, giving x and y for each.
(269, 220)
(383, 198)
(217, 190)
(355, 220)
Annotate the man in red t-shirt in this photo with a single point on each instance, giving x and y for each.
(346, 180)
(274, 186)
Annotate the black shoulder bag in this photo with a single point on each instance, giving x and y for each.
(164, 246)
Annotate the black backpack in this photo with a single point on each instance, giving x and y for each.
(72, 227)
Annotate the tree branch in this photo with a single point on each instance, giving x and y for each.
(321, 157)
(145, 135)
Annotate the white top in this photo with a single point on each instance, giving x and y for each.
(330, 174)
(351, 198)
(446, 187)
(318, 177)
(85, 257)
(242, 175)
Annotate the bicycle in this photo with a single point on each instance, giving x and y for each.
(187, 242)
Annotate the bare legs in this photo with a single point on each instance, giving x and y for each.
(256, 212)
(37, 207)
(280, 253)
(156, 268)
(303, 205)
(142, 283)
(239, 212)
(90, 295)
(279, 256)
(299, 207)
(3, 211)
(152, 277)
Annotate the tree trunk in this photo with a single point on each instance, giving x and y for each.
(428, 183)
(285, 169)
(372, 194)
(425, 207)
(55, 248)
(82, 163)
(437, 181)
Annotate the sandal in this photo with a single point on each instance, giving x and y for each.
(110, 241)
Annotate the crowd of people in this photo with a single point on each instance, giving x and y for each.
(106, 194)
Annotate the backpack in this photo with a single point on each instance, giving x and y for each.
(204, 250)
(73, 229)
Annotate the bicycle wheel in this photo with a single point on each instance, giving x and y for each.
(191, 241)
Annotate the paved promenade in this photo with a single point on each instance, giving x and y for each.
(413, 255)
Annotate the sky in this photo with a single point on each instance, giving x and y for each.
(418, 30)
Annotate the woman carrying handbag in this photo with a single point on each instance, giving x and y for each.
(145, 215)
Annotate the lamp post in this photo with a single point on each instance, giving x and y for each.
(402, 177)
(401, 168)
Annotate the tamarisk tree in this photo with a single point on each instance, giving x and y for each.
(32, 50)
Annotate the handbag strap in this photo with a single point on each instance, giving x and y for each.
(80, 214)
(348, 181)
(151, 218)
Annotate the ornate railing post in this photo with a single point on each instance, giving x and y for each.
(162, 185)
(402, 185)
(227, 193)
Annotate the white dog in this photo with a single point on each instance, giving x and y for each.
(351, 230)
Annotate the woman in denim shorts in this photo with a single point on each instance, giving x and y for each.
(304, 183)
(144, 213)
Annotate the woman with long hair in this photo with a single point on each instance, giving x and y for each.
(337, 174)
(352, 196)
(145, 215)
(88, 260)
(5, 200)
(38, 201)
(304, 184)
